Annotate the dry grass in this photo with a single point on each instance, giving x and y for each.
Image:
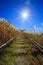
(6, 33)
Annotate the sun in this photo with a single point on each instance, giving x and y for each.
(24, 15)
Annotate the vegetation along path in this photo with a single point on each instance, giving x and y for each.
(19, 53)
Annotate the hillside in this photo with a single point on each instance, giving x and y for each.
(7, 31)
(21, 51)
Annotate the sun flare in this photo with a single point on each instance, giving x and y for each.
(24, 15)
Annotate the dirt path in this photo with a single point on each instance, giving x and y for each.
(21, 60)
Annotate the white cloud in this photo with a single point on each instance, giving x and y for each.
(39, 29)
(42, 23)
(27, 2)
(35, 27)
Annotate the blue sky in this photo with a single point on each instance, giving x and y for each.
(9, 10)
